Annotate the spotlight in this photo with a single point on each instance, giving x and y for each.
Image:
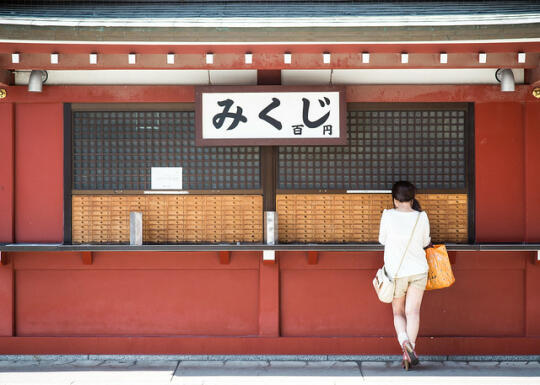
(505, 76)
(36, 80)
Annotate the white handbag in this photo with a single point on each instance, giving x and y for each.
(383, 284)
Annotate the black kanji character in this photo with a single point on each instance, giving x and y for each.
(297, 129)
(264, 114)
(327, 129)
(319, 121)
(237, 117)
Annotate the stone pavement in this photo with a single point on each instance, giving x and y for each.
(267, 370)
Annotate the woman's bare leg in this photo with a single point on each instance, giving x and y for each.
(412, 312)
(400, 319)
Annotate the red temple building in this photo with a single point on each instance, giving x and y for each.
(212, 119)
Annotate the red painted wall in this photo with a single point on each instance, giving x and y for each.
(335, 297)
(6, 300)
(6, 172)
(500, 177)
(327, 308)
(39, 173)
(292, 304)
(532, 171)
(136, 294)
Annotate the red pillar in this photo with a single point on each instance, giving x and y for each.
(39, 172)
(7, 124)
(532, 297)
(500, 192)
(532, 171)
(269, 299)
(269, 273)
(6, 299)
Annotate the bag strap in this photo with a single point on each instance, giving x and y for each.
(406, 248)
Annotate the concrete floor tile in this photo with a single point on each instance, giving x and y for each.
(287, 364)
(245, 364)
(115, 364)
(513, 364)
(86, 363)
(201, 364)
(19, 364)
(156, 364)
(484, 364)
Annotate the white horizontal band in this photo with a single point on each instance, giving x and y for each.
(166, 192)
(369, 191)
(255, 22)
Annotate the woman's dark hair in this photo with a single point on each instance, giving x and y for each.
(404, 191)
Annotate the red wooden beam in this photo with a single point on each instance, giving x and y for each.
(532, 75)
(224, 257)
(87, 257)
(313, 257)
(186, 94)
(268, 56)
(4, 258)
(6, 78)
(268, 60)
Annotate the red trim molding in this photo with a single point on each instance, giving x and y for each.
(186, 94)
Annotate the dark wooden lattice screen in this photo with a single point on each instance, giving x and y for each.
(115, 150)
(421, 144)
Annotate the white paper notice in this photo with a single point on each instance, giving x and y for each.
(166, 178)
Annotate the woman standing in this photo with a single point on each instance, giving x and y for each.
(404, 232)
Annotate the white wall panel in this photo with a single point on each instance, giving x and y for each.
(145, 77)
(395, 76)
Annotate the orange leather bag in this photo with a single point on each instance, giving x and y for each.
(440, 271)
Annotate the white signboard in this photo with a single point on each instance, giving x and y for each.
(166, 178)
(271, 117)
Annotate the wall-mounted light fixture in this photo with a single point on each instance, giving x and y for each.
(209, 58)
(92, 58)
(506, 77)
(248, 58)
(287, 58)
(36, 80)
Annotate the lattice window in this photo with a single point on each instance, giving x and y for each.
(115, 150)
(423, 145)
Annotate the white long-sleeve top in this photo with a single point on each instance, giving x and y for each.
(395, 232)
